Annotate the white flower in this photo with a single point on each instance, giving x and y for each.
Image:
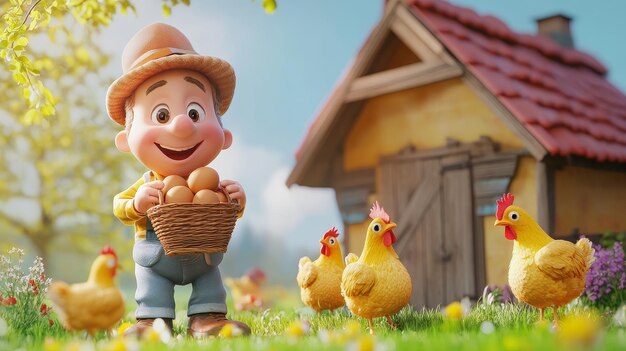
(467, 306)
(620, 316)
(4, 328)
(487, 327)
(161, 328)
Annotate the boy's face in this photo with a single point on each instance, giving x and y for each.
(174, 129)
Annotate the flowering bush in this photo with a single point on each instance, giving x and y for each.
(22, 294)
(606, 280)
(495, 295)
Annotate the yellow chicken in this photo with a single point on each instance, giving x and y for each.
(94, 305)
(376, 284)
(543, 272)
(247, 290)
(320, 280)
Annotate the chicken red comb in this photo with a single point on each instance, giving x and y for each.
(378, 212)
(108, 250)
(332, 232)
(503, 203)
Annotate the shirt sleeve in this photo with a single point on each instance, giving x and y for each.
(123, 207)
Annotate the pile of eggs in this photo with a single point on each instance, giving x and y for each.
(201, 187)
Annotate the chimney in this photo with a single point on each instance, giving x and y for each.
(557, 28)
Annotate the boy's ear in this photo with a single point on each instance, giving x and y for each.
(228, 139)
(121, 141)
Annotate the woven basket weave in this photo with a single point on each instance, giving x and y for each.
(194, 228)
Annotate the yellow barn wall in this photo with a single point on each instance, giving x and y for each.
(424, 116)
(357, 237)
(497, 248)
(358, 231)
(592, 200)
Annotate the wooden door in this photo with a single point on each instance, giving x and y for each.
(429, 195)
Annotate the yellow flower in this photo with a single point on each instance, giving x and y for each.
(454, 310)
(151, 335)
(122, 328)
(352, 329)
(76, 346)
(513, 343)
(366, 343)
(579, 329)
(229, 331)
(116, 345)
(159, 332)
(51, 345)
(298, 328)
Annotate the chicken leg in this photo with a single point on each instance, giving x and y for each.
(541, 314)
(391, 323)
(555, 311)
(371, 327)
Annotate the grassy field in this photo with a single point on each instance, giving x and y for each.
(288, 326)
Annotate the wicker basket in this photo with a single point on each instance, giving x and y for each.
(194, 228)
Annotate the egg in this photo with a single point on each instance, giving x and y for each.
(221, 196)
(178, 194)
(172, 181)
(206, 196)
(203, 178)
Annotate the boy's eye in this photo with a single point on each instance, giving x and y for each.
(160, 114)
(195, 112)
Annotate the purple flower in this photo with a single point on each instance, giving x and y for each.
(607, 276)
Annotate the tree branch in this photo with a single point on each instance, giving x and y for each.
(30, 10)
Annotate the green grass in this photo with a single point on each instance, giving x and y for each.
(515, 329)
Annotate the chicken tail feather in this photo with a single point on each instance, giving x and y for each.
(588, 252)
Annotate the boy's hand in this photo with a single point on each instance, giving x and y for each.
(147, 196)
(235, 190)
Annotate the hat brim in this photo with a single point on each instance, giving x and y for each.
(219, 72)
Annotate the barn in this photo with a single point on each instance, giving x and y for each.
(441, 112)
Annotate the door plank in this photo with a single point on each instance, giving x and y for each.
(458, 228)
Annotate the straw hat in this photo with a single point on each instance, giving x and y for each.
(160, 47)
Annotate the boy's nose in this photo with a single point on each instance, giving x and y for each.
(182, 126)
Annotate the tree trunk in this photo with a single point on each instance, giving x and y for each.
(42, 246)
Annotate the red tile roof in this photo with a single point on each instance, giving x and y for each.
(560, 95)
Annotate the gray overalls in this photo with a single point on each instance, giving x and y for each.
(156, 275)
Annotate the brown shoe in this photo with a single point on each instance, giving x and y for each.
(210, 324)
(144, 323)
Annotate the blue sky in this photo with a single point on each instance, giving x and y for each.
(287, 64)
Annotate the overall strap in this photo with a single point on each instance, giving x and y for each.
(150, 234)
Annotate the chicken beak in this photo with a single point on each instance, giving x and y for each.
(389, 226)
(501, 223)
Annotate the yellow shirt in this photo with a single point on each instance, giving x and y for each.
(125, 211)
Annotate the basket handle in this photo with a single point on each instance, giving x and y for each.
(161, 201)
(223, 191)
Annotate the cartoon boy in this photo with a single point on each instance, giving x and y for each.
(170, 100)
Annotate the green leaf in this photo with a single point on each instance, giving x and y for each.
(20, 78)
(31, 116)
(82, 54)
(26, 93)
(47, 110)
(186, 2)
(21, 41)
(32, 25)
(167, 11)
